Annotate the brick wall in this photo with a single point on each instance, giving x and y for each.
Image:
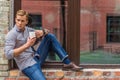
(58, 74)
(4, 10)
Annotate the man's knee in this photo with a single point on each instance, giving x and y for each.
(51, 35)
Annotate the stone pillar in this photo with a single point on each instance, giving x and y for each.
(4, 23)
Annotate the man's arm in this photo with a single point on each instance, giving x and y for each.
(10, 43)
(21, 49)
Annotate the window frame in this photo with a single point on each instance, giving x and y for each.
(16, 5)
(74, 57)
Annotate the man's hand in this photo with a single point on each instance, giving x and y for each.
(46, 31)
(30, 41)
(40, 33)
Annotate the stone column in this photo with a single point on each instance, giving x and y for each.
(4, 23)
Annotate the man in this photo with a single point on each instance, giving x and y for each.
(18, 45)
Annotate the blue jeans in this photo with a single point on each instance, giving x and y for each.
(48, 43)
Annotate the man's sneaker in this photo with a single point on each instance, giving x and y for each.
(72, 67)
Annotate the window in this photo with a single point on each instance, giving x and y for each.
(36, 21)
(98, 33)
(113, 29)
(45, 15)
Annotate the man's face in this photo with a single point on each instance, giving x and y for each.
(21, 22)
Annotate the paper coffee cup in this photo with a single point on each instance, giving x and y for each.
(32, 34)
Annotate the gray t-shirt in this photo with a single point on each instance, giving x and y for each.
(14, 39)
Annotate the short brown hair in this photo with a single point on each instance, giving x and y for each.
(22, 13)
